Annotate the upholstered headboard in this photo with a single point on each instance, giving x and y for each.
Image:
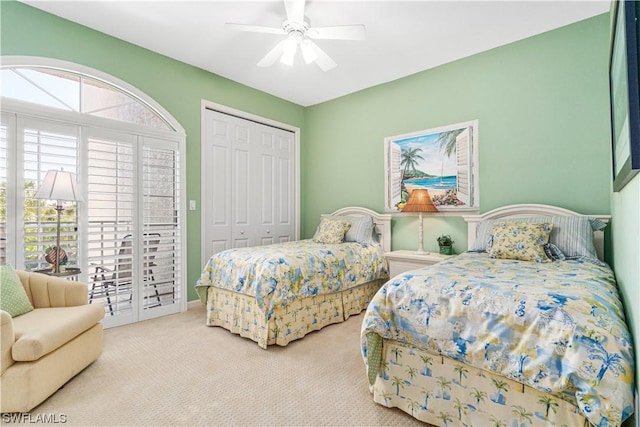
(382, 223)
(512, 211)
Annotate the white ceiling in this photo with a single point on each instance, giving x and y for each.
(403, 37)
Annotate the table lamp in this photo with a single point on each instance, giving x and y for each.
(419, 201)
(59, 186)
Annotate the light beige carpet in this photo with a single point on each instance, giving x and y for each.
(177, 371)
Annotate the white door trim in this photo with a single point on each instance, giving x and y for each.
(208, 105)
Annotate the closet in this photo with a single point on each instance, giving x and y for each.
(249, 187)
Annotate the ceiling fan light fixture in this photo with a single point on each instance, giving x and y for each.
(308, 53)
(287, 58)
(290, 45)
(298, 32)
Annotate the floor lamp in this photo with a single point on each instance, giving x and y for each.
(419, 201)
(59, 186)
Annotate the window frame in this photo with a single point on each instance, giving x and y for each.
(12, 109)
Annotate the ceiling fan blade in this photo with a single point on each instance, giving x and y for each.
(254, 28)
(273, 55)
(342, 32)
(323, 60)
(295, 10)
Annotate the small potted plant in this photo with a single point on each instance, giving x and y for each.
(446, 244)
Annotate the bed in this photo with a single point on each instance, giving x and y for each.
(488, 339)
(279, 293)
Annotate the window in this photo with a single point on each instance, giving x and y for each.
(127, 236)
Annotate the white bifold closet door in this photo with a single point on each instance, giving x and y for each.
(248, 189)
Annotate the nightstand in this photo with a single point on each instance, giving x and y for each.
(403, 260)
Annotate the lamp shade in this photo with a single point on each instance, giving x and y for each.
(58, 185)
(419, 201)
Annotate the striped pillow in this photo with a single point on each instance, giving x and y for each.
(573, 235)
(361, 230)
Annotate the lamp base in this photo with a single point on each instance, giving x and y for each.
(421, 252)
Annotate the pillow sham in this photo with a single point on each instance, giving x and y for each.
(331, 230)
(361, 230)
(573, 235)
(13, 298)
(520, 241)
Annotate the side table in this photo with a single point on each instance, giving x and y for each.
(70, 273)
(404, 260)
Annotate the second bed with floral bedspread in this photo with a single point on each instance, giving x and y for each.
(277, 293)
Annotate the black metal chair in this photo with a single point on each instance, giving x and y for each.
(112, 283)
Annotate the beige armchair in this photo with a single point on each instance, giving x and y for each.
(43, 349)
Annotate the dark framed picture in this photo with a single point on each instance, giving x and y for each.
(624, 90)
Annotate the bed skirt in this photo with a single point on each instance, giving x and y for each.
(443, 392)
(240, 314)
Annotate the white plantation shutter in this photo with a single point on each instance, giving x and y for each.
(161, 194)
(395, 174)
(463, 160)
(45, 146)
(134, 226)
(111, 206)
(7, 129)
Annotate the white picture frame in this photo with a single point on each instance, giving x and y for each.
(444, 160)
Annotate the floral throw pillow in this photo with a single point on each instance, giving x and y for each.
(520, 241)
(331, 230)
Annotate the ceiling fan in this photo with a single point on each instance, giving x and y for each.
(300, 35)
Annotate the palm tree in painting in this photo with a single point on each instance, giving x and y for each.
(549, 404)
(462, 372)
(496, 422)
(409, 160)
(447, 141)
(445, 417)
(413, 405)
(522, 414)
(427, 394)
(460, 407)
(397, 382)
(500, 386)
(428, 361)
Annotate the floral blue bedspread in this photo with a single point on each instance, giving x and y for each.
(278, 274)
(558, 327)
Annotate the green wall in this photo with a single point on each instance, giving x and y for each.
(178, 87)
(542, 106)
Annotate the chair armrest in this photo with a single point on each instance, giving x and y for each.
(7, 338)
(49, 291)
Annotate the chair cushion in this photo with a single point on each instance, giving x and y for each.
(43, 330)
(13, 298)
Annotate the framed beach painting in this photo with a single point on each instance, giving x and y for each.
(443, 160)
(624, 87)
